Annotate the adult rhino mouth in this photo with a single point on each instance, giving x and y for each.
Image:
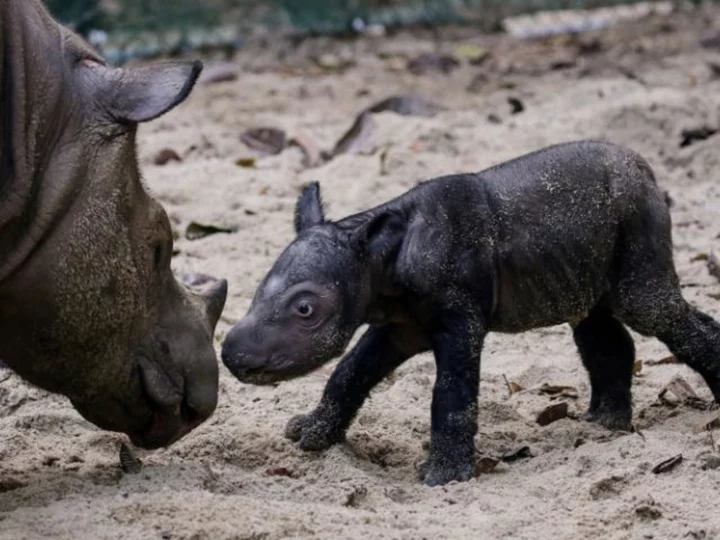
(166, 429)
(172, 416)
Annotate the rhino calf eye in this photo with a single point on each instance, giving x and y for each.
(304, 309)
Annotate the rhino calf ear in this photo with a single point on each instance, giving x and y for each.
(309, 208)
(381, 236)
(143, 93)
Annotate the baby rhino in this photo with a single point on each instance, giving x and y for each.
(577, 233)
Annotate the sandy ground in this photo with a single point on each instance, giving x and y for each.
(236, 477)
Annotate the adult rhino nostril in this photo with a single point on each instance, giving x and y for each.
(158, 386)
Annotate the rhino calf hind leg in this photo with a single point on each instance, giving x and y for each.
(695, 339)
(608, 353)
(659, 310)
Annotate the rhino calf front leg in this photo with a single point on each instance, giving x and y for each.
(457, 341)
(380, 350)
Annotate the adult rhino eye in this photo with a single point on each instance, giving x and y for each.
(304, 309)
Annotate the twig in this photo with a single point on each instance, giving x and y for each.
(510, 391)
(712, 439)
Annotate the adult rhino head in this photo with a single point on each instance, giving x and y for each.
(89, 307)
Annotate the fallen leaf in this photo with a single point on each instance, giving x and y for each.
(247, 163)
(217, 73)
(408, 105)
(710, 462)
(700, 257)
(359, 139)
(667, 465)
(428, 62)
(514, 455)
(128, 462)
(709, 422)
(690, 136)
(11, 484)
(647, 512)
(711, 41)
(196, 231)
(559, 391)
(677, 391)
(280, 471)
(637, 367)
(552, 413)
(513, 387)
(165, 156)
(672, 359)
(516, 106)
(312, 157)
(472, 53)
(485, 464)
(266, 141)
(332, 62)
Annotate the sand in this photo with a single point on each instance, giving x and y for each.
(236, 477)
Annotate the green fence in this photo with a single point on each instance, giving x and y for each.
(146, 27)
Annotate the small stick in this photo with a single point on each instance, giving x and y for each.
(510, 392)
(712, 439)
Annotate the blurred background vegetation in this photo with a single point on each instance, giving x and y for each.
(131, 28)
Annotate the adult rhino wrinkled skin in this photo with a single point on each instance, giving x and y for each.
(89, 307)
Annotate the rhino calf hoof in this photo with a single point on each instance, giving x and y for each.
(612, 420)
(312, 433)
(436, 473)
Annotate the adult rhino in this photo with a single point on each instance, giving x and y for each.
(89, 307)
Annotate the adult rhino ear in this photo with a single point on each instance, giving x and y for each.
(144, 93)
(380, 236)
(309, 208)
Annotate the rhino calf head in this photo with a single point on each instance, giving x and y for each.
(89, 307)
(313, 299)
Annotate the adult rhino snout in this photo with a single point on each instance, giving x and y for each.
(181, 380)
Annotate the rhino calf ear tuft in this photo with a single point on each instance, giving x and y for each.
(309, 208)
(144, 93)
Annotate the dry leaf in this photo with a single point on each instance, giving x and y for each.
(485, 464)
(360, 138)
(427, 62)
(667, 465)
(514, 455)
(266, 141)
(553, 413)
(165, 156)
(196, 231)
(280, 471)
(513, 387)
(558, 391)
(247, 163)
(672, 359)
(406, 106)
(637, 367)
(677, 391)
(312, 157)
(709, 422)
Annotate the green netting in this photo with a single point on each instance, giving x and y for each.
(146, 27)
